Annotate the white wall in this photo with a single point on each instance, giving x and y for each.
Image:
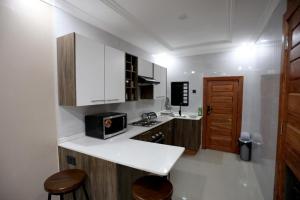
(194, 68)
(260, 66)
(261, 95)
(28, 147)
(71, 119)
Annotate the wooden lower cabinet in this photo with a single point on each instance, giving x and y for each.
(178, 132)
(110, 181)
(166, 129)
(106, 180)
(102, 181)
(126, 177)
(187, 133)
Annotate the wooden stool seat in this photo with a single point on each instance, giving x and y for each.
(152, 188)
(64, 182)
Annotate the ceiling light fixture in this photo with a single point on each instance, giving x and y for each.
(245, 51)
(164, 59)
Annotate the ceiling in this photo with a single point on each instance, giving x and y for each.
(180, 27)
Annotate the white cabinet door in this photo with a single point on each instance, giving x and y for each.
(160, 74)
(163, 82)
(145, 68)
(89, 71)
(157, 88)
(114, 75)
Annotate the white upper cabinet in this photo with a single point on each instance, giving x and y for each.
(89, 71)
(160, 74)
(145, 68)
(114, 75)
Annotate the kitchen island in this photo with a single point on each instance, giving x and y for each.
(114, 163)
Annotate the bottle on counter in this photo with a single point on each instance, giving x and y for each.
(200, 111)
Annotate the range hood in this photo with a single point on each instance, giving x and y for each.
(143, 80)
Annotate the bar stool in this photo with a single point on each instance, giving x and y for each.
(64, 182)
(152, 188)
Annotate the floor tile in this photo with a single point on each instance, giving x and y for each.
(214, 175)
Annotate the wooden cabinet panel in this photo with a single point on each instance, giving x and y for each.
(126, 177)
(187, 133)
(114, 75)
(102, 175)
(178, 132)
(166, 129)
(89, 73)
(66, 70)
(80, 70)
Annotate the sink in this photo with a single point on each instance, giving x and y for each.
(178, 116)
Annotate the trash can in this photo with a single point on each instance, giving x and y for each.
(245, 148)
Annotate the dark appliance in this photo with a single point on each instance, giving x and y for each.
(150, 119)
(180, 94)
(143, 80)
(105, 125)
(154, 136)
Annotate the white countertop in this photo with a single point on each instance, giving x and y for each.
(151, 157)
(185, 115)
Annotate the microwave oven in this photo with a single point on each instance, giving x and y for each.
(105, 125)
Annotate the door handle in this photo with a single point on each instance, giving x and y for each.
(209, 109)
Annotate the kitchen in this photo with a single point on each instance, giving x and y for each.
(144, 81)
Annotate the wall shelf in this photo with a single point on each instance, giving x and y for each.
(131, 69)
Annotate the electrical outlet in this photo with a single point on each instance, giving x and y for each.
(71, 160)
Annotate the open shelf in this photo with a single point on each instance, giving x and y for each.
(131, 70)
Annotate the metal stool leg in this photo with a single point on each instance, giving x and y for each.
(74, 195)
(85, 192)
(61, 197)
(49, 196)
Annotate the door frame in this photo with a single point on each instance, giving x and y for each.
(240, 80)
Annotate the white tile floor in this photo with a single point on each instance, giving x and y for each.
(214, 175)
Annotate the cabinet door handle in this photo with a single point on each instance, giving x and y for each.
(112, 99)
(97, 100)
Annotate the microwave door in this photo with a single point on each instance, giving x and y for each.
(113, 126)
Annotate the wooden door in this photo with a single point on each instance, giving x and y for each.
(222, 107)
(114, 75)
(288, 145)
